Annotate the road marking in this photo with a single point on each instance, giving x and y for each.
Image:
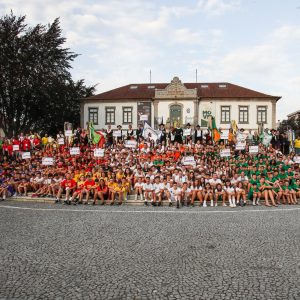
(171, 211)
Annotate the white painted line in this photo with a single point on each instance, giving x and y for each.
(171, 211)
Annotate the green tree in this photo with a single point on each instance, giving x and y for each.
(36, 88)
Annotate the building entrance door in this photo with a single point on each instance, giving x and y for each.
(175, 115)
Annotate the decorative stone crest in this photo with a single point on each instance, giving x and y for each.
(176, 89)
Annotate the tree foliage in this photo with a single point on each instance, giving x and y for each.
(292, 123)
(36, 88)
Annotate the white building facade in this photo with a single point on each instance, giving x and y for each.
(176, 102)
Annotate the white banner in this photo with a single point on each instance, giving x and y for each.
(187, 131)
(74, 151)
(47, 161)
(297, 159)
(99, 152)
(61, 141)
(225, 153)
(68, 133)
(26, 155)
(16, 147)
(144, 118)
(253, 149)
(117, 133)
(224, 135)
(189, 160)
(130, 144)
(240, 146)
(149, 132)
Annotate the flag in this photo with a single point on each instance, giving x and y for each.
(94, 136)
(216, 136)
(149, 132)
(266, 137)
(234, 127)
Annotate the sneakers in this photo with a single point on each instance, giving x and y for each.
(204, 204)
(146, 202)
(216, 204)
(211, 203)
(224, 204)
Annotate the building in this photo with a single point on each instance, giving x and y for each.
(175, 102)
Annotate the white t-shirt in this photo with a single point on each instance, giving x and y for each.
(148, 187)
(214, 181)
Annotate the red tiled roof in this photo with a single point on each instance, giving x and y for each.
(142, 92)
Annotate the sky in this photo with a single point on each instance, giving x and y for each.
(252, 43)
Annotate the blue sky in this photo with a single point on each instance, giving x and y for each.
(253, 43)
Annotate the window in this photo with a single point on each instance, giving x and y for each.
(127, 115)
(261, 114)
(225, 114)
(243, 114)
(93, 115)
(204, 86)
(151, 86)
(110, 115)
(133, 87)
(222, 86)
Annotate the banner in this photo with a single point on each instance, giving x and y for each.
(224, 135)
(117, 133)
(297, 159)
(189, 161)
(187, 131)
(149, 132)
(130, 144)
(68, 133)
(253, 149)
(16, 147)
(74, 151)
(61, 141)
(99, 152)
(47, 161)
(240, 146)
(225, 153)
(26, 155)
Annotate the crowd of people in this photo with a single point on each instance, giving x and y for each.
(182, 166)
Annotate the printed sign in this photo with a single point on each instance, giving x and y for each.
(99, 152)
(47, 161)
(74, 151)
(68, 133)
(240, 146)
(26, 155)
(187, 132)
(61, 141)
(117, 133)
(224, 135)
(130, 144)
(225, 153)
(253, 149)
(189, 161)
(16, 147)
(144, 117)
(297, 159)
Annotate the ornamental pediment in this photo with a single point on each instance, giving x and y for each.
(175, 89)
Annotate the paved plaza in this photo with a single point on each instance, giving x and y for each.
(59, 252)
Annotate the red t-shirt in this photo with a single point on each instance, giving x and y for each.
(70, 183)
(103, 189)
(89, 184)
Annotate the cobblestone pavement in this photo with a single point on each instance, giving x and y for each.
(148, 253)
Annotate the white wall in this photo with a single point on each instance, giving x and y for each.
(215, 107)
(118, 113)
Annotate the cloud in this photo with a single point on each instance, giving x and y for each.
(218, 7)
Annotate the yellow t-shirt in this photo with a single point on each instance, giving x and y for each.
(44, 140)
(297, 143)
